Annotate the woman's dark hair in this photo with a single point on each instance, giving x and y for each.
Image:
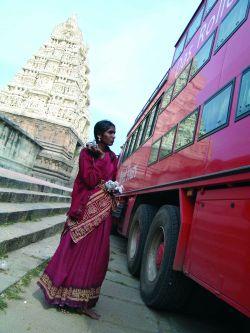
(101, 127)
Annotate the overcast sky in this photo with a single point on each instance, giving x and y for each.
(131, 44)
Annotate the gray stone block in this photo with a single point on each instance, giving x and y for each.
(17, 195)
(18, 235)
(12, 213)
(11, 179)
(25, 259)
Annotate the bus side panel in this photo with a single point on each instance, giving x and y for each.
(186, 215)
(127, 218)
(218, 253)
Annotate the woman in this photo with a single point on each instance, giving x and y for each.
(75, 273)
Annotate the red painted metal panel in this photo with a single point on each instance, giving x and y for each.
(219, 249)
(130, 206)
(186, 210)
(212, 179)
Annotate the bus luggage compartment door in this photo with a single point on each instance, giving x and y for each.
(218, 252)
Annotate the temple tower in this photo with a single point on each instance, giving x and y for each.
(48, 99)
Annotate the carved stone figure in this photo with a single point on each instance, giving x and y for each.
(50, 96)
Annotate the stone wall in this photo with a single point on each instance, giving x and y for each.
(18, 150)
(60, 146)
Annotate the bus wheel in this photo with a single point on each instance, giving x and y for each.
(137, 236)
(161, 286)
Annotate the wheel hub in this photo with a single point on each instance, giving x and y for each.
(159, 255)
(155, 255)
(134, 241)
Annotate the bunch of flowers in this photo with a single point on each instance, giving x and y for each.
(113, 187)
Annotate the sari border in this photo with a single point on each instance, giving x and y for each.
(64, 294)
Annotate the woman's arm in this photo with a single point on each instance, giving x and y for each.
(89, 173)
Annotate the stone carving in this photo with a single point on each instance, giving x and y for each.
(52, 89)
(18, 151)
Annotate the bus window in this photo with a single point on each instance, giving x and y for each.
(243, 108)
(141, 132)
(138, 137)
(166, 99)
(215, 114)
(181, 81)
(145, 129)
(154, 152)
(155, 117)
(179, 49)
(209, 6)
(135, 137)
(126, 150)
(195, 25)
(186, 131)
(167, 143)
(149, 128)
(131, 144)
(202, 57)
(232, 22)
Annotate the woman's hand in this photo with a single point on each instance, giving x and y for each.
(95, 149)
(98, 151)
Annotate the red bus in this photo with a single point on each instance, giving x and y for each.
(185, 167)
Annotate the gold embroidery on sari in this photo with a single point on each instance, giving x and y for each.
(97, 210)
(73, 294)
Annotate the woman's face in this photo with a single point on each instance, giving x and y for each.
(108, 136)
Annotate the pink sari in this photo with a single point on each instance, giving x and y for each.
(76, 271)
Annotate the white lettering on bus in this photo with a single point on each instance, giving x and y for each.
(229, 2)
(128, 173)
(201, 36)
(207, 27)
(184, 60)
(205, 30)
(218, 12)
(210, 25)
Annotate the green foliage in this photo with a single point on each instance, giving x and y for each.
(16, 290)
(25, 281)
(3, 254)
(3, 304)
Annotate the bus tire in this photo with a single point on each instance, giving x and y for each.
(161, 287)
(138, 231)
